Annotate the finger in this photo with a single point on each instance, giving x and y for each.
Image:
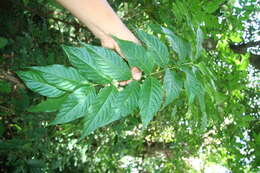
(117, 48)
(129, 81)
(123, 83)
(108, 43)
(136, 73)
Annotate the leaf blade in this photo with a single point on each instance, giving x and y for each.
(192, 85)
(36, 83)
(172, 85)
(127, 100)
(80, 58)
(100, 112)
(109, 63)
(76, 105)
(156, 46)
(179, 45)
(199, 41)
(136, 55)
(48, 105)
(65, 78)
(150, 99)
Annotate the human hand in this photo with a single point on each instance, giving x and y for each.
(103, 22)
(110, 43)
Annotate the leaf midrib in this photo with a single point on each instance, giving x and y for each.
(111, 64)
(105, 102)
(94, 67)
(154, 50)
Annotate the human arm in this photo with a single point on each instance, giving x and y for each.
(103, 22)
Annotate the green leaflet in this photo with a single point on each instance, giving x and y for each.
(199, 41)
(76, 105)
(172, 85)
(192, 85)
(127, 100)
(156, 46)
(209, 82)
(202, 102)
(100, 112)
(109, 63)
(49, 105)
(136, 55)
(179, 45)
(150, 101)
(86, 64)
(36, 83)
(205, 70)
(62, 77)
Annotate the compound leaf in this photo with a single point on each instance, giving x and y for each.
(205, 70)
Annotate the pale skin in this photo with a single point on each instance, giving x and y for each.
(103, 22)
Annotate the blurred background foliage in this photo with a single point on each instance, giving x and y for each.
(179, 139)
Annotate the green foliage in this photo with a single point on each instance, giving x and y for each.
(137, 55)
(192, 84)
(107, 60)
(100, 111)
(199, 42)
(127, 100)
(173, 85)
(81, 59)
(5, 87)
(203, 96)
(211, 7)
(160, 51)
(63, 78)
(35, 81)
(76, 105)
(179, 45)
(49, 105)
(150, 99)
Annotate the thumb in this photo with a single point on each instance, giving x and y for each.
(110, 43)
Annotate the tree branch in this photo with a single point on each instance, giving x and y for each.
(242, 47)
